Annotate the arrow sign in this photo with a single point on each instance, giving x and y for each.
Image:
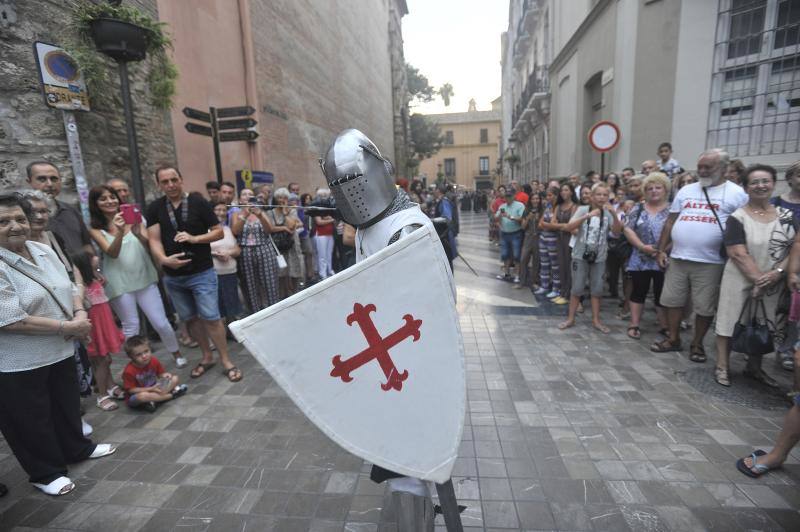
(228, 112)
(238, 123)
(196, 114)
(238, 135)
(198, 129)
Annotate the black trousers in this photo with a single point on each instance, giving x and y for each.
(40, 418)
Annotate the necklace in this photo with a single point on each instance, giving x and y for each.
(756, 211)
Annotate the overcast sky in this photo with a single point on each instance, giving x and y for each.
(456, 42)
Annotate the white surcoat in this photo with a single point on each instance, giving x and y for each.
(376, 237)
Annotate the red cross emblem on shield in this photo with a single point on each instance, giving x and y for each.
(378, 347)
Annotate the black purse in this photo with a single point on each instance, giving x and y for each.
(723, 252)
(754, 336)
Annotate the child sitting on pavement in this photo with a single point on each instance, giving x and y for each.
(145, 382)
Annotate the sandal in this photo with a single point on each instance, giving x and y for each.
(186, 341)
(697, 354)
(115, 392)
(60, 486)
(236, 371)
(602, 328)
(200, 369)
(761, 377)
(103, 449)
(566, 325)
(665, 346)
(760, 469)
(637, 334)
(106, 403)
(722, 377)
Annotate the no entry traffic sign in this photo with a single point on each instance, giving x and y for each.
(604, 136)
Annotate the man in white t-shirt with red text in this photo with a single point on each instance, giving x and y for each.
(690, 245)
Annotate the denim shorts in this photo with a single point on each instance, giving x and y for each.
(510, 245)
(194, 295)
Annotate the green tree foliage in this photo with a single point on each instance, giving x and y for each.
(446, 92)
(418, 85)
(426, 137)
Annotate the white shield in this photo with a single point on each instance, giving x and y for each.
(374, 357)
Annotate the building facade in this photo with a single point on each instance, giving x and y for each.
(307, 78)
(470, 151)
(716, 73)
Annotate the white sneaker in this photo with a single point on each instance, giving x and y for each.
(181, 362)
(551, 295)
(103, 449)
(86, 428)
(516, 279)
(540, 291)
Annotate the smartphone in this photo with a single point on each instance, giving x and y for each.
(131, 213)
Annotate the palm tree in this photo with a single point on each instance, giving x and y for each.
(446, 92)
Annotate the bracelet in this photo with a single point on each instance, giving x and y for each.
(60, 327)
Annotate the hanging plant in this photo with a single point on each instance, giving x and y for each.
(512, 158)
(80, 41)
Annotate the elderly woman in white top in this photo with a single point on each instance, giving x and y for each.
(40, 313)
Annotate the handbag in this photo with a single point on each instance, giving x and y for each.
(279, 258)
(723, 253)
(754, 336)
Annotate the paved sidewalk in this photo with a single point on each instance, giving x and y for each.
(569, 430)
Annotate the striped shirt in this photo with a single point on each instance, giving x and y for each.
(21, 297)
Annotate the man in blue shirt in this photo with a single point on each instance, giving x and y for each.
(510, 215)
(444, 209)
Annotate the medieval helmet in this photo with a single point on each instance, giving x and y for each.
(359, 177)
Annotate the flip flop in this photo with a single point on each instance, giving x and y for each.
(565, 325)
(203, 366)
(60, 486)
(760, 469)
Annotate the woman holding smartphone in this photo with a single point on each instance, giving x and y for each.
(130, 275)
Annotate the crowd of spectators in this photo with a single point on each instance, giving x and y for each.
(708, 244)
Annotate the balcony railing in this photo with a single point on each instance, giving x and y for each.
(538, 83)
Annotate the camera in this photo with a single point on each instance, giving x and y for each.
(188, 254)
(590, 255)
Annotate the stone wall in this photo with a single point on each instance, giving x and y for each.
(30, 130)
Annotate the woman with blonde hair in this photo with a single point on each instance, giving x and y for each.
(643, 230)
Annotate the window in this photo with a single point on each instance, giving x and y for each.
(450, 167)
(483, 165)
(755, 99)
(746, 25)
(484, 136)
(448, 137)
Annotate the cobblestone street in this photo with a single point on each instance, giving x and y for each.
(570, 430)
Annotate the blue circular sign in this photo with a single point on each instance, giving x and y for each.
(61, 66)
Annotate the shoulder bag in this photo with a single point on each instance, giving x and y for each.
(754, 336)
(722, 251)
(279, 258)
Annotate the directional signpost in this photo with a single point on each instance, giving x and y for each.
(240, 122)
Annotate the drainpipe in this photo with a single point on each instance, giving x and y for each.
(251, 94)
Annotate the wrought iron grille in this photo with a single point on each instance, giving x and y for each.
(755, 88)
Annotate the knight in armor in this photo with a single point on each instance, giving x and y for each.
(361, 182)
